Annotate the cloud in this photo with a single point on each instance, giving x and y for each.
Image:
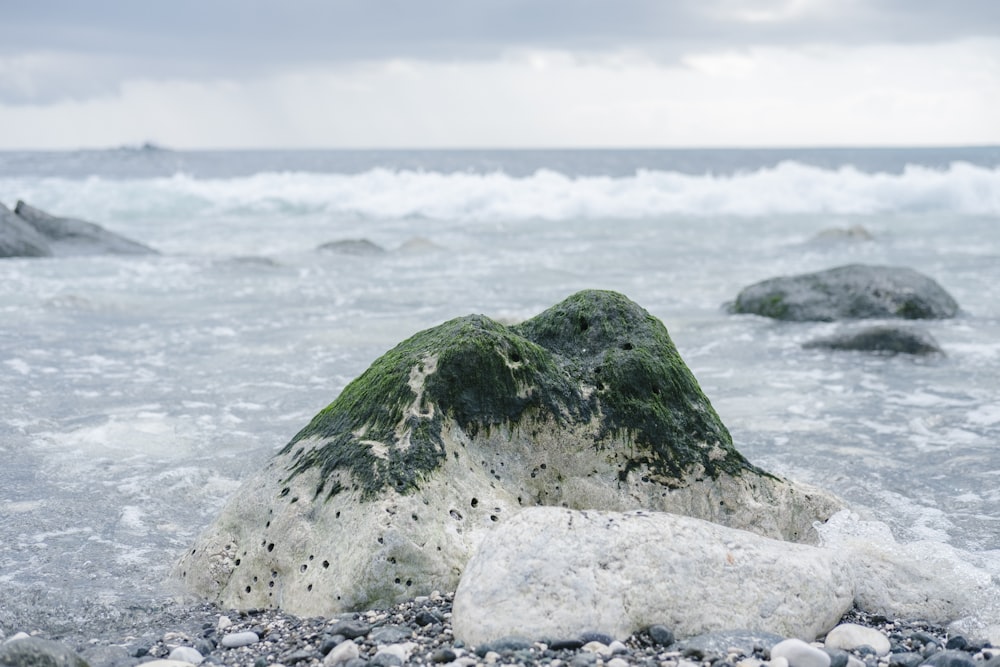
(758, 96)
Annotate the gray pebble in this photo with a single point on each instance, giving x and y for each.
(349, 629)
(587, 637)
(906, 659)
(661, 635)
(443, 655)
(950, 659)
(385, 660)
(389, 634)
(237, 639)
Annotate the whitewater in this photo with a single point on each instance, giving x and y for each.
(139, 392)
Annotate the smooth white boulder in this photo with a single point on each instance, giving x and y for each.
(849, 636)
(555, 572)
(800, 654)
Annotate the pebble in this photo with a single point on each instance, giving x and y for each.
(661, 635)
(800, 654)
(850, 636)
(186, 654)
(238, 639)
(223, 623)
(950, 659)
(341, 653)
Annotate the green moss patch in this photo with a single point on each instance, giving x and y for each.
(595, 358)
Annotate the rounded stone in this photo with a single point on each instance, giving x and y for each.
(341, 653)
(186, 654)
(800, 654)
(238, 639)
(661, 635)
(950, 659)
(851, 636)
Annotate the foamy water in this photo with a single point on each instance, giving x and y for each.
(140, 391)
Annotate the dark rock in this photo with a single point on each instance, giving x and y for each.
(352, 247)
(504, 644)
(36, 652)
(301, 655)
(385, 660)
(19, 239)
(565, 644)
(881, 339)
(661, 635)
(838, 658)
(328, 642)
(922, 639)
(856, 291)
(107, 656)
(425, 617)
(349, 629)
(390, 634)
(719, 643)
(443, 655)
(907, 659)
(950, 659)
(957, 642)
(69, 236)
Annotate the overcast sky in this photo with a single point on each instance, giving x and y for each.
(498, 73)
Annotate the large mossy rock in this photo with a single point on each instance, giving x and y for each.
(856, 291)
(70, 236)
(387, 492)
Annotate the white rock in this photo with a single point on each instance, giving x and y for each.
(401, 651)
(186, 654)
(16, 636)
(616, 662)
(550, 571)
(239, 639)
(778, 662)
(800, 654)
(849, 636)
(600, 649)
(341, 653)
(224, 622)
(854, 661)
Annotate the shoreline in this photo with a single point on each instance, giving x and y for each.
(418, 632)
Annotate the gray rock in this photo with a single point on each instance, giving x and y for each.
(558, 572)
(855, 291)
(19, 239)
(352, 247)
(350, 629)
(69, 236)
(186, 654)
(390, 634)
(387, 492)
(950, 659)
(660, 634)
(907, 659)
(881, 339)
(36, 652)
(237, 639)
(800, 654)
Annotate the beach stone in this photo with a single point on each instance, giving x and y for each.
(390, 634)
(660, 634)
(629, 568)
(341, 653)
(881, 339)
(163, 662)
(800, 654)
(905, 659)
(237, 639)
(19, 239)
(849, 636)
(70, 236)
(37, 652)
(856, 291)
(351, 629)
(186, 654)
(385, 495)
(950, 659)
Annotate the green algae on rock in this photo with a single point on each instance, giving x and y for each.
(386, 493)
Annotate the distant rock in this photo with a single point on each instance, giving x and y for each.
(19, 239)
(557, 572)
(852, 233)
(882, 340)
(856, 291)
(418, 244)
(353, 247)
(388, 491)
(69, 236)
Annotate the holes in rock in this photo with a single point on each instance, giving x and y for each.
(456, 515)
(656, 390)
(337, 515)
(270, 584)
(294, 499)
(311, 556)
(270, 547)
(475, 502)
(599, 386)
(184, 574)
(192, 551)
(284, 492)
(455, 454)
(247, 589)
(493, 517)
(627, 346)
(380, 540)
(584, 325)
(409, 582)
(397, 580)
(309, 588)
(255, 579)
(303, 567)
(392, 560)
(543, 466)
(515, 357)
(415, 517)
(238, 562)
(326, 564)
(267, 525)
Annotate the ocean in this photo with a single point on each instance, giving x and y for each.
(138, 392)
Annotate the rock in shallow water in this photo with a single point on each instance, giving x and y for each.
(556, 572)
(856, 291)
(882, 340)
(388, 491)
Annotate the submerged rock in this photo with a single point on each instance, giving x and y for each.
(353, 247)
(19, 239)
(69, 236)
(560, 572)
(881, 339)
(855, 291)
(387, 492)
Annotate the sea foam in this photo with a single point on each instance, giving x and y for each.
(788, 188)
